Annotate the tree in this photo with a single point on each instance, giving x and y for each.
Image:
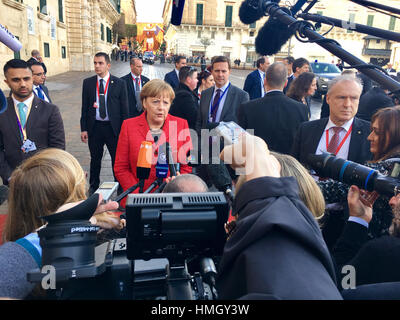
(119, 29)
(206, 42)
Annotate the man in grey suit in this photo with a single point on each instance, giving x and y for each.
(218, 103)
(29, 124)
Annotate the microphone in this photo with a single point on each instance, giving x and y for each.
(250, 11)
(3, 102)
(144, 163)
(221, 178)
(170, 160)
(9, 40)
(161, 168)
(177, 11)
(273, 35)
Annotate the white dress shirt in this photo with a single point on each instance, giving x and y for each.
(262, 76)
(46, 98)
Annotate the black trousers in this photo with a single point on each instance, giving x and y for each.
(101, 135)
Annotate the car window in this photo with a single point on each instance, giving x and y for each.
(324, 68)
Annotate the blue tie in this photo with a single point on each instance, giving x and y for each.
(40, 92)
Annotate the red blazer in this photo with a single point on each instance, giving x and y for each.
(133, 132)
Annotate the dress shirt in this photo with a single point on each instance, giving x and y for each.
(46, 98)
(177, 73)
(28, 103)
(221, 102)
(134, 81)
(97, 98)
(262, 77)
(344, 150)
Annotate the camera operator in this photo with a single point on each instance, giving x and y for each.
(277, 250)
(377, 260)
(41, 186)
(185, 183)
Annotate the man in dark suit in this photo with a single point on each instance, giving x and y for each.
(172, 78)
(104, 108)
(134, 83)
(35, 56)
(275, 117)
(186, 102)
(373, 100)
(254, 83)
(300, 65)
(342, 133)
(29, 124)
(39, 77)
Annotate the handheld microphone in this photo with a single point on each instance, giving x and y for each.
(161, 169)
(144, 163)
(177, 11)
(221, 178)
(170, 160)
(273, 35)
(9, 39)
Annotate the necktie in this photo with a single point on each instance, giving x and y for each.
(102, 100)
(40, 92)
(334, 143)
(215, 105)
(137, 84)
(22, 116)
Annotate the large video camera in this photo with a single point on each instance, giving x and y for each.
(327, 165)
(164, 233)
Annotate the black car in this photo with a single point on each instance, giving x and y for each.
(324, 72)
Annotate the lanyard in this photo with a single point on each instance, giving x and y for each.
(341, 143)
(22, 129)
(219, 100)
(105, 89)
(134, 81)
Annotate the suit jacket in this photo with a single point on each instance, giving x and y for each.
(252, 85)
(133, 112)
(117, 103)
(275, 118)
(133, 132)
(289, 81)
(44, 127)
(372, 101)
(309, 135)
(172, 79)
(234, 98)
(46, 91)
(185, 105)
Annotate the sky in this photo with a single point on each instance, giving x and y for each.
(149, 10)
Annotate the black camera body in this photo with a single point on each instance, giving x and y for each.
(164, 233)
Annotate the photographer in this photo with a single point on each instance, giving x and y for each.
(277, 250)
(377, 260)
(41, 186)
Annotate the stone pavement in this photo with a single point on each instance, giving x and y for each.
(66, 92)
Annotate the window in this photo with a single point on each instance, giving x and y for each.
(17, 54)
(43, 6)
(378, 41)
(199, 34)
(251, 33)
(228, 36)
(392, 23)
(370, 20)
(46, 50)
(212, 34)
(63, 52)
(102, 31)
(253, 25)
(228, 16)
(320, 13)
(109, 35)
(60, 11)
(351, 19)
(199, 14)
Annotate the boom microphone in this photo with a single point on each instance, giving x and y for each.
(273, 35)
(177, 11)
(3, 102)
(9, 39)
(250, 11)
(144, 162)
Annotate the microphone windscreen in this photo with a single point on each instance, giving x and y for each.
(249, 13)
(3, 102)
(9, 40)
(144, 160)
(177, 11)
(272, 36)
(162, 163)
(220, 176)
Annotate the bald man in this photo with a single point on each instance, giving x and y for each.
(186, 183)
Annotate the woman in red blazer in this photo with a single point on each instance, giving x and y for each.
(156, 97)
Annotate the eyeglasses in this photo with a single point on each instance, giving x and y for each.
(39, 74)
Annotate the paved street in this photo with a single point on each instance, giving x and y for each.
(66, 91)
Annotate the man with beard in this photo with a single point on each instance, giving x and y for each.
(29, 124)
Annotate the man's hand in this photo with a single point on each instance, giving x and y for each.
(251, 153)
(361, 202)
(84, 136)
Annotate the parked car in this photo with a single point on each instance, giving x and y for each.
(324, 72)
(148, 57)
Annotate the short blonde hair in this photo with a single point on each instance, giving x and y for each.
(38, 187)
(309, 191)
(155, 88)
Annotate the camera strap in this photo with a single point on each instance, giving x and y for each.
(341, 143)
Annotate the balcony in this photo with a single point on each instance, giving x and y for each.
(376, 52)
(116, 4)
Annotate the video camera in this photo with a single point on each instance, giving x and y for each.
(327, 165)
(164, 232)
